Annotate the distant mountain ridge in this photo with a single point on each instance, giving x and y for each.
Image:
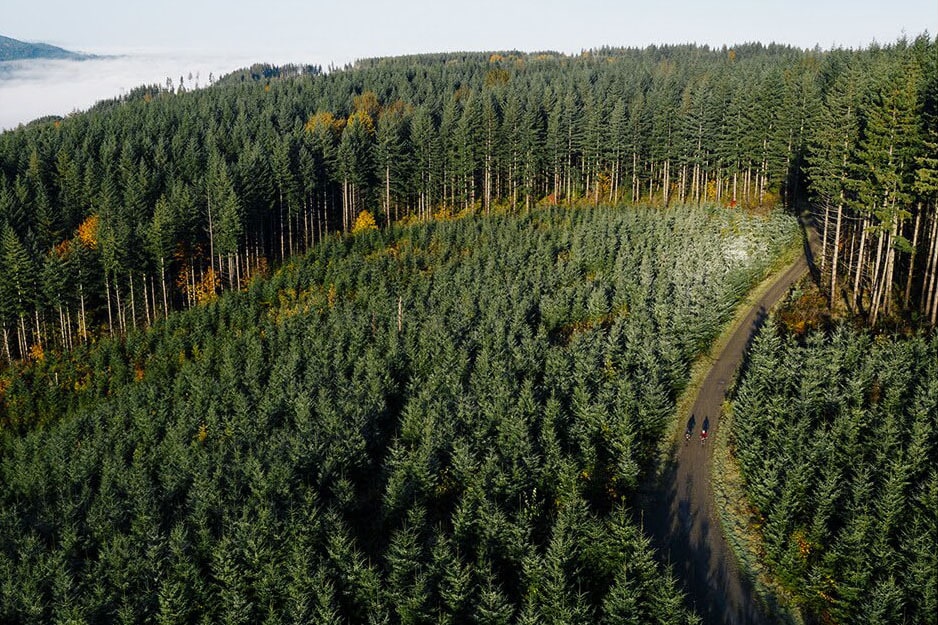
(14, 50)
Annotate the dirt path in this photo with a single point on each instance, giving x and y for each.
(681, 516)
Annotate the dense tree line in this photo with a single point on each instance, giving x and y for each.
(438, 423)
(836, 438)
(873, 167)
(156, 201)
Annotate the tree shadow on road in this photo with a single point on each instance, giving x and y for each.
(684, 537)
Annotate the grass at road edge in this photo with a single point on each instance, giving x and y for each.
(740, 528)
(725, 479)
(701, 367)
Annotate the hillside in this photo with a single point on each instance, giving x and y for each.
(164, 197)
(14, 50)
(433, 423)
(409, 334)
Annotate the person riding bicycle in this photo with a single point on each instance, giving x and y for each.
(704, 430)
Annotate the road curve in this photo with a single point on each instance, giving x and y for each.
(680, 514)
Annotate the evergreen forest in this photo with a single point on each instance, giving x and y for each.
(401, 342)
(444, 422)
(158, 200)
(836, 438)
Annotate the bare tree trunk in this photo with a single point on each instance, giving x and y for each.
(345, 203)
(117, 301)
(24, 348)
(107, 292)
(154, 302)
(163, 282)
(387, 191)
(133, 304)
(635, 190)
(211, 234)
(857, 300)
(877, 279)
(62, 326)
(890, 266)
(38, 329)
(146, 300)
(665, 181)
(929, 290)
(192, 293)
(82, 321)
(68, 324)
(835, 253)
(908, 282)
(827, 212)
(282, 229)
(290, 244)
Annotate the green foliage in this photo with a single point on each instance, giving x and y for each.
(836, 441)
(277, 158)
(438, 423)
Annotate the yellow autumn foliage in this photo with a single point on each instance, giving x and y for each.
(36, 353)
(88, 232)
(363, 119)
(364, 222)
(324, 121)
(367, 103)
(206, 290)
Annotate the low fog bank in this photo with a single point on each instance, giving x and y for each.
(34, 89)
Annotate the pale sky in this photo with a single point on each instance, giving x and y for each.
(339, 31)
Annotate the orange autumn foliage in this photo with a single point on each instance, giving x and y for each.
(88, 232)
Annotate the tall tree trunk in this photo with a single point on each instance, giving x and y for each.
(24, 348)
(387, 191)
(133, 303)
(62, 326)
(877, 279)
(827, 212)
(107, 293)
(211, 234)
(931, 293)
(636, 191)
(82, 320)
(345, 204)
(163, 283)
(282, 229)
(835, 253)
(146, 300)
(117, 301)
(665, 181)
(857, 300)
(908, 282)
(38, 329)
